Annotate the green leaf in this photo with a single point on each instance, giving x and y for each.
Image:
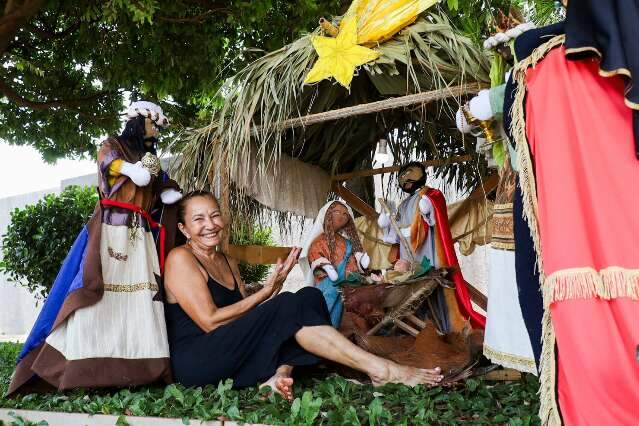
(233, 412)
(121, 421)
(173, 391)
(499, 153)
(472, 384)
(295, 408)
(374, 411)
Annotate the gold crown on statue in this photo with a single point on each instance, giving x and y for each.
(151, 163)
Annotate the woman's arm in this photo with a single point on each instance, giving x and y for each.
(188, 285)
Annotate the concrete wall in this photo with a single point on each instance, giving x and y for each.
(18, 308)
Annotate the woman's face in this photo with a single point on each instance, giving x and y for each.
(203, 223)
(339, 216)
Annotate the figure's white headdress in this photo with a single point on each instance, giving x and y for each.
(148, 110)
(316, 231)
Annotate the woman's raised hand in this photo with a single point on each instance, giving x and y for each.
(275, 281)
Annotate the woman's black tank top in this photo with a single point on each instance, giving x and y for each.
(180, 325)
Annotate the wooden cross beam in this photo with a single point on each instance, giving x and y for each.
(373, 107)
(372, 172)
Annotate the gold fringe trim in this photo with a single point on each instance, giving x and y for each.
(506, 246)
(586, 283)
(520, 363)
(130, 288)
(548, 410)
(609, 73)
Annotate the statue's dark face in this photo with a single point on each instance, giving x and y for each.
(339, 216)
(410, 179)
(151, 132)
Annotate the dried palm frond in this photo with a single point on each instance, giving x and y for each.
(426, 55)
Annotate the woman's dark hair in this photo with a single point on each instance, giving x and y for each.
(181, 210)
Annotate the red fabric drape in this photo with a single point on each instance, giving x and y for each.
(461, 288)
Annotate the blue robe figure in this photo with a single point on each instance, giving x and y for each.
(332, 252)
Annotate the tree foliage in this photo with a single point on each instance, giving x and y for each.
(66, 67)
(40, 235)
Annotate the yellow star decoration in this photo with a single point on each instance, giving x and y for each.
(339, 56)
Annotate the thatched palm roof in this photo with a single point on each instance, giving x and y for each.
(427, 55)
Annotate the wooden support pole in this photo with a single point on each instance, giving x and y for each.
(359, 205)
(477, 296)
(407, 328)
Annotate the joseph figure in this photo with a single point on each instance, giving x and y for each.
(422, 219)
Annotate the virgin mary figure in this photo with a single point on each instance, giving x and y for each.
(332, 251)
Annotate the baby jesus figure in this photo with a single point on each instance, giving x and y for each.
(331, 253)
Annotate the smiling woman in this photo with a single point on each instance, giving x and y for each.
(216, 332)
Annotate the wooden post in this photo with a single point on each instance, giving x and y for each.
(505, 375)
(225, 204)
(359, 205)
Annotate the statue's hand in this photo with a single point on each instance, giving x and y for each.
(426, 209)
(138, 174)
(363, 260)
(170, 196)
(331, 272)
(402, 266)
(425, 206)
(383, 221)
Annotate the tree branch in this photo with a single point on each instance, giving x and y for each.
(197, 19)
(46, 35)
(14, 18)
(70, 104)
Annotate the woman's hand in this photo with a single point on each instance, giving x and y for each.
(275, 281)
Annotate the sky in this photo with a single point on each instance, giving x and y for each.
(22, 170)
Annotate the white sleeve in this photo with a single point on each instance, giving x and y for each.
(427, 211)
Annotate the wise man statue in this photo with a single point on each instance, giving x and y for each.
(103, 322)
(422, 221)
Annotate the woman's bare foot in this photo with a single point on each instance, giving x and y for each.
(409, 376)
(280, 384)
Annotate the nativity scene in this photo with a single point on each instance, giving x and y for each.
(385, 292)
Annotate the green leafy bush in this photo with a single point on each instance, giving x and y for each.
(40, 236)
(244, 234)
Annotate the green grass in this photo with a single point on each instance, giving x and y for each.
(331, 400)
